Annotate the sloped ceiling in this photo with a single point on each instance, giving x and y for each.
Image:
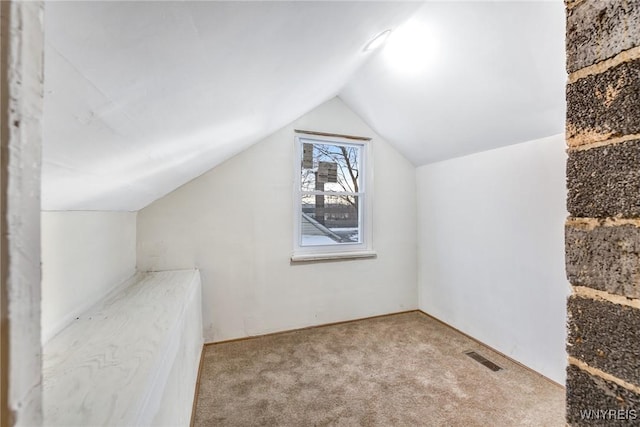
(494, 76)
(141, 97)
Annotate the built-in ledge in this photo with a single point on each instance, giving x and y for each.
(131, 360)
(333, 256)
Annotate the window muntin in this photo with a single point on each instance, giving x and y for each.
(330, 195)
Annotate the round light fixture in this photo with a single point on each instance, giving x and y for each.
(377, 41)
(412, 48)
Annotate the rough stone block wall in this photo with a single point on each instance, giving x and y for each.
(602, 234)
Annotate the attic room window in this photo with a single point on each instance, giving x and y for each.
(331, 197)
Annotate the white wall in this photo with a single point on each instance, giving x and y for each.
(84, 256)
(21, 63)
(491, 249)
(235, 224)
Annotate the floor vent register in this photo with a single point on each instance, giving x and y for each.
(486, 362)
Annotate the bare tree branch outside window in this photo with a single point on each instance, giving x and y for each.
(330, 186)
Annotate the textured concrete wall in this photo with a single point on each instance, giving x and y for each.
(21, 73)
(603, 230)
(604, 256)
(605, 181)
(599, 30)
(592, 391)
(602, 106)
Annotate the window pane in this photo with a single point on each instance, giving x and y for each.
(328, 167)
(330, 220)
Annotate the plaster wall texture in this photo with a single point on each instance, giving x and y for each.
(21, 74)
(491, 249)
(84, 256)
(235, 224)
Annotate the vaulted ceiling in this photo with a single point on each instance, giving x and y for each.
(141, 97)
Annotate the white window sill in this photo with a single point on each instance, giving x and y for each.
(333, 255)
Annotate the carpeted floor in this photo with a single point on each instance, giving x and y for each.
(399, 370)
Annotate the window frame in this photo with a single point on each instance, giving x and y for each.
(363, 249)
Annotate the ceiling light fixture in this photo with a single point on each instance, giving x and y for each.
(377, 41)
(413, 48)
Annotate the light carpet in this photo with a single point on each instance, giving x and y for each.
(399, 370)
